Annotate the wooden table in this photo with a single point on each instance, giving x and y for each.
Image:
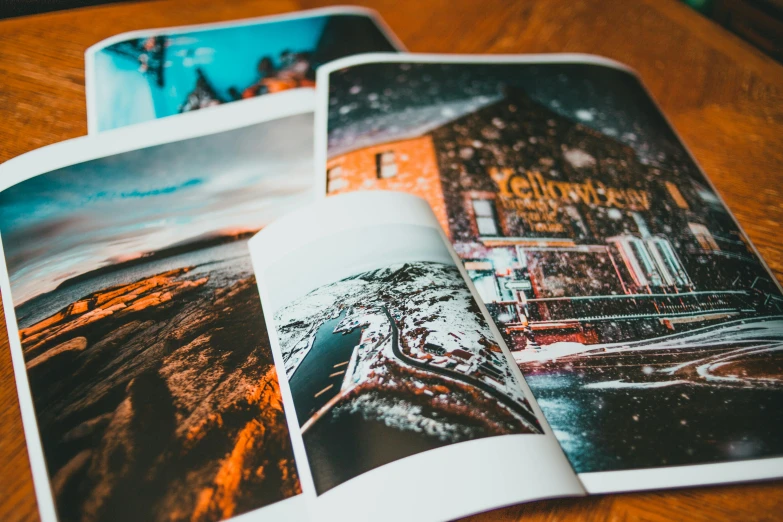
(723, 96)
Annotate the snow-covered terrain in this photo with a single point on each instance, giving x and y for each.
(298, 321)
(742, 345)
(437, 334)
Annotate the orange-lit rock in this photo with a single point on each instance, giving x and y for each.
(74, 345)
(163, 402)
(128, 299)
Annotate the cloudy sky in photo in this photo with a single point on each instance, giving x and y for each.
(82, 217)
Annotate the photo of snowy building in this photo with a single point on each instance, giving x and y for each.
(629, 296)
(564, 231)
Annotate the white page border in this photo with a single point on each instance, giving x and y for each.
(89, 54)
(682, 476)
(78, 150)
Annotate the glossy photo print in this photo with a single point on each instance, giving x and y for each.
(147, 75)
(388, 355)
(645, 323)
(147, 358)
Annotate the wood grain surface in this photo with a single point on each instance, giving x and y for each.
(724, 97)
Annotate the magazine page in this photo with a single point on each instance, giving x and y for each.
(146, 383)
(399, 391)
(644, 321)
(149, 74)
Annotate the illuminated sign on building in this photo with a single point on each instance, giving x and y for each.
(532, 185)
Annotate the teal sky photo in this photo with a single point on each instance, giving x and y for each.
(76, 219)
(227, 56)
(141, 79)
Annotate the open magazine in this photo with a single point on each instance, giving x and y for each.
(643, 320)
(145, 378)
(544, 297)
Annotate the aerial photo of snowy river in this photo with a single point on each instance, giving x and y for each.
(392, 362)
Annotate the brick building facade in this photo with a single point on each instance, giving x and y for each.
(565, 232)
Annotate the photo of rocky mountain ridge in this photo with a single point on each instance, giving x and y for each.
(394, 361)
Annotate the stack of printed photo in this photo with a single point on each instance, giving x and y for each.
(296, 273)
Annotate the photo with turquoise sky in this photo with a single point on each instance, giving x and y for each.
(146, 78)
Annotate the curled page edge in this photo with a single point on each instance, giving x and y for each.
(475, 465)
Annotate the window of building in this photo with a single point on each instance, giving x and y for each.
(484, 281)
(641, 224)
(637, 260)
(674, 192)
(334, 179)
(486, 217)
(706, 194)
(703, 236)
(577, 222)
(385, 164)
(669, 265)
(644, 261)
(334, 172)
